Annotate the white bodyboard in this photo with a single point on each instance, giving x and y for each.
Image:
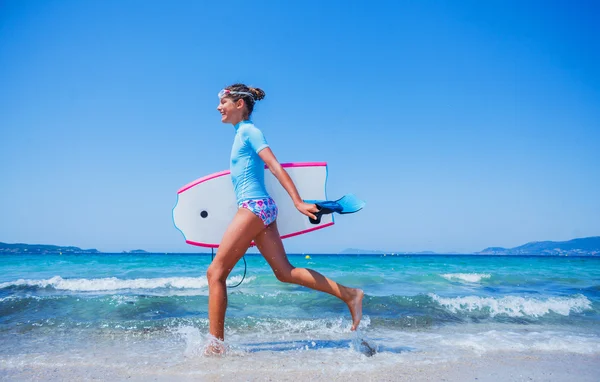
(205, 207)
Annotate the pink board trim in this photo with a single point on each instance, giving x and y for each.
(202, 244)
(227, 172)
(202, 180)
(252, 244)
(307, 230)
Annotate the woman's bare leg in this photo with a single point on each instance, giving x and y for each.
(270, 246)
(236, 240)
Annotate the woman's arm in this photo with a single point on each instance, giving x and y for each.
(287, 183)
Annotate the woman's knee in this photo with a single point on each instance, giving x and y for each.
(285, 275)
(215, 273)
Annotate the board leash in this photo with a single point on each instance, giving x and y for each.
(212, 250)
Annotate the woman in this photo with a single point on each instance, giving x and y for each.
(256, 217)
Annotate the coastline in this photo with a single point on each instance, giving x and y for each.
(586, 246)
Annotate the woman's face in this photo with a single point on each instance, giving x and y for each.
(231, 111)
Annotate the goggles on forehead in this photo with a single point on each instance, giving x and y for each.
(225, 92)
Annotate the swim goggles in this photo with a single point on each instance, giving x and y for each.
(225, 92)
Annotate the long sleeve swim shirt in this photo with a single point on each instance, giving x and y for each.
(247, 168)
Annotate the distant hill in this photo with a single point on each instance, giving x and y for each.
(587, 246)
(356, 251)
(41, 249)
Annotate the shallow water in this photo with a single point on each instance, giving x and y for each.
(133, 310)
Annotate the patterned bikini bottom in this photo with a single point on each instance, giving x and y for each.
(264, 208)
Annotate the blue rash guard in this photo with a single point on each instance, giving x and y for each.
(247, 168)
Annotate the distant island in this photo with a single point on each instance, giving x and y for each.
(587, 246)
(355, 251)
(50, 249)
(42, 249)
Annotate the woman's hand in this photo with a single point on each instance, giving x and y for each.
(307, 209)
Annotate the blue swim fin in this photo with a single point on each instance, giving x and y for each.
(347, 204)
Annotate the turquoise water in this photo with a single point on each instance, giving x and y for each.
(429, 307)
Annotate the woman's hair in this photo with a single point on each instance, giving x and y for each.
(257, 95)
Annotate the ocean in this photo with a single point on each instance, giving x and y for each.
(137, 313)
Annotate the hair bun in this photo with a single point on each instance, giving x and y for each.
(258, 93)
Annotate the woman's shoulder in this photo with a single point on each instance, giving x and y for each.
(250, 128)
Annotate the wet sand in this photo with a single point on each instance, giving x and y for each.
(500, 366)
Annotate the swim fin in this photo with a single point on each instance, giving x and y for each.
(347, 204)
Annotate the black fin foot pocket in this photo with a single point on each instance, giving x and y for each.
(319, 214)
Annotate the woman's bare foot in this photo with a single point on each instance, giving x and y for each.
(214, 348)
(355, 305)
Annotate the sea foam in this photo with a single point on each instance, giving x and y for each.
(468, 277)
(496, 340)
(113, 283)
(515, 306)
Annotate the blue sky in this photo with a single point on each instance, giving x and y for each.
(461, 124)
